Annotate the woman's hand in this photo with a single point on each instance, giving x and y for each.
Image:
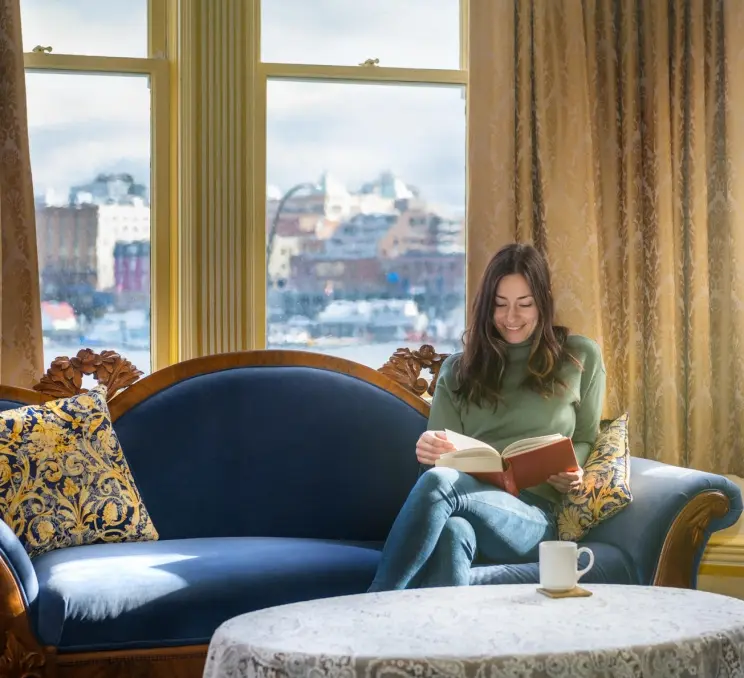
(432, 445)
(565, 482)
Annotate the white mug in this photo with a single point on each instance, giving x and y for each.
(559, 566)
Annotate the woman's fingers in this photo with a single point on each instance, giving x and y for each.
(438, 440)
(560, 484)
(429, 451)
(567, 481)
(426, 456)
(431, 445)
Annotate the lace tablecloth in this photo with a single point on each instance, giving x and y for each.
(488, 632)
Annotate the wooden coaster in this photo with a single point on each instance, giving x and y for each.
(576, 592)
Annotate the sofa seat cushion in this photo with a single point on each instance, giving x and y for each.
(611, 566)
(177, 592)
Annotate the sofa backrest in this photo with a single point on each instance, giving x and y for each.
(273, 443)
(12, 397)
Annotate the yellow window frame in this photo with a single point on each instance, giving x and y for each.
(163, 303)
(322, 73)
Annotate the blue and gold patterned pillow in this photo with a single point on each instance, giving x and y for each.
(606, 486)
(64, 480)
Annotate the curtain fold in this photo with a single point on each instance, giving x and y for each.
(21, 348)
(610, 134)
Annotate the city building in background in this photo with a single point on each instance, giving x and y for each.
(94, 263)
(374, 265)
(347, 267)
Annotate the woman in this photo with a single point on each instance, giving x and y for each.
(519, 376)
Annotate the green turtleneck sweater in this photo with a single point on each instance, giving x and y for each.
(574, 412)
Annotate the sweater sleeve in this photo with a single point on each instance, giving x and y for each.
(589, 409)
(444, 412)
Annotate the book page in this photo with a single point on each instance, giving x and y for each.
(529, 444)
(463, 442)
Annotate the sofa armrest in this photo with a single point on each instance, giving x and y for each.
(20, 651)
(19, 565)
(665, 529)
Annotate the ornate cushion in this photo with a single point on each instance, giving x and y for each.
(606, 486)
(64, 480)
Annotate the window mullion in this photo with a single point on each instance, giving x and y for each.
(405, 76)
(157, 34)
(89, 64)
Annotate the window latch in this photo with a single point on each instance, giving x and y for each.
(370, 62)
(39, 49)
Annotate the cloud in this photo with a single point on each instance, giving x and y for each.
(80, 125)
(401, 33)
(84, 124)
(68, 155)
(110, 28)
(356, 131)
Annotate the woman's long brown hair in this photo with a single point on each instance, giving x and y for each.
(480, 370)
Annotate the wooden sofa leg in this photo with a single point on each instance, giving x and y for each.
(20, 661)
(677, 560)
(21, 656)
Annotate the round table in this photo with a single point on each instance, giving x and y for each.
(488, 631)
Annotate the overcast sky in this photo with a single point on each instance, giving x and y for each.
(84, 124)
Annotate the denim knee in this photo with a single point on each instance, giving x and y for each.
(437, 478)
(452, 558)
(458, 533)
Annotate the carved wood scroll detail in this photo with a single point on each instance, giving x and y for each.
(64, 377)
(17, 661)
(677, 559)
(405, 368)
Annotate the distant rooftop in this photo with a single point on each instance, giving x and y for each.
(110, 189)
(387, 185)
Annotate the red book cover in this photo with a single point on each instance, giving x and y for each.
(501, 479)
(536, 466)
(533, 467)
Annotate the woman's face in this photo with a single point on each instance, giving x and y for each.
(516, 315)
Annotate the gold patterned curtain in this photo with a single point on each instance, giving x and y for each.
(610, 133)
(21, 349)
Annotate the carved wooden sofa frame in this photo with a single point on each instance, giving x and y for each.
(23, 657)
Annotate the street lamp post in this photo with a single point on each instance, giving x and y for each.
(275, 221)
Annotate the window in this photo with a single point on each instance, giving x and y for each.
(94, 100)
(365, 172)
(399, 33)
(87, 27)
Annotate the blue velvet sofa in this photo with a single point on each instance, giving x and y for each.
(274, 477)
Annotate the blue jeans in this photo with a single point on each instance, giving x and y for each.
(448, 519)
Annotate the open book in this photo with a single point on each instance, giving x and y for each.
(525, 463)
